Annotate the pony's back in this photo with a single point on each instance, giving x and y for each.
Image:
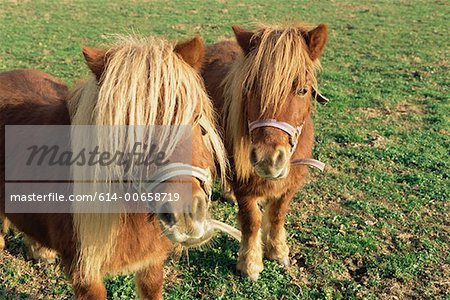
(32, 97)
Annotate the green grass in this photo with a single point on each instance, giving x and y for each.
(374, 226)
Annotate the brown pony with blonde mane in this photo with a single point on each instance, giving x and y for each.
(136, 82)
(268, 78)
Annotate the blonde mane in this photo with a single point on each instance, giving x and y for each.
(144, 83)
(280, 60)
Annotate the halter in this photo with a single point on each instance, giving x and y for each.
(294, 135)
(177, 169)
(293, 132)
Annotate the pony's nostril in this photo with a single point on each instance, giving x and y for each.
(166, 214)
(253, 157)
(167, 218)
(280, 158)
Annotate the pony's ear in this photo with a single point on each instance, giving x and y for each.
(192, 52)
(316, 40)
(244, 38)
(95, 59)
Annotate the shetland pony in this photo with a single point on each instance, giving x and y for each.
(262, 87)
(136, 82)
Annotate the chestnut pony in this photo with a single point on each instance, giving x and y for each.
(262, 87)
(153, 83)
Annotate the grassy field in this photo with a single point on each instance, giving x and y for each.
(375, 225)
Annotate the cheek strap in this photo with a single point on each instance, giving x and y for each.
(309, 162)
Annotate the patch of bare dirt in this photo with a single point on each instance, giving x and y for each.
(407, 108)
(371, 112)
(395, 290)
(400, 109)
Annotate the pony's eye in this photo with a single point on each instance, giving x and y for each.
(204, 132)
(302, 91)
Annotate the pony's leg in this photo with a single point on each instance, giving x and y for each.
(250, 253)
(2, 241)
(90, 291)
(94, 290)
(274, 233)
(228, 193)
(38, 252)
(3, 231)
(229, 196)
(149, 282)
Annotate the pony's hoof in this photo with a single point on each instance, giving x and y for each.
(280, 254)
(252, 277)
(230, 197)
(39, 253)
(48, 261)
(285, 262)
(250, 269)
(44, 255)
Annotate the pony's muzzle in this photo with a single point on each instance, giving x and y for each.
(270, 164)
(188, 222)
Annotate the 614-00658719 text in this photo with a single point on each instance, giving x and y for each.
(97, 196)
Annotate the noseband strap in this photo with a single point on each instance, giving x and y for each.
(176, 169)
(293, 132)
(294, 135)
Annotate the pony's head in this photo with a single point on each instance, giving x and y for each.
(268, 95)
(149, 82)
